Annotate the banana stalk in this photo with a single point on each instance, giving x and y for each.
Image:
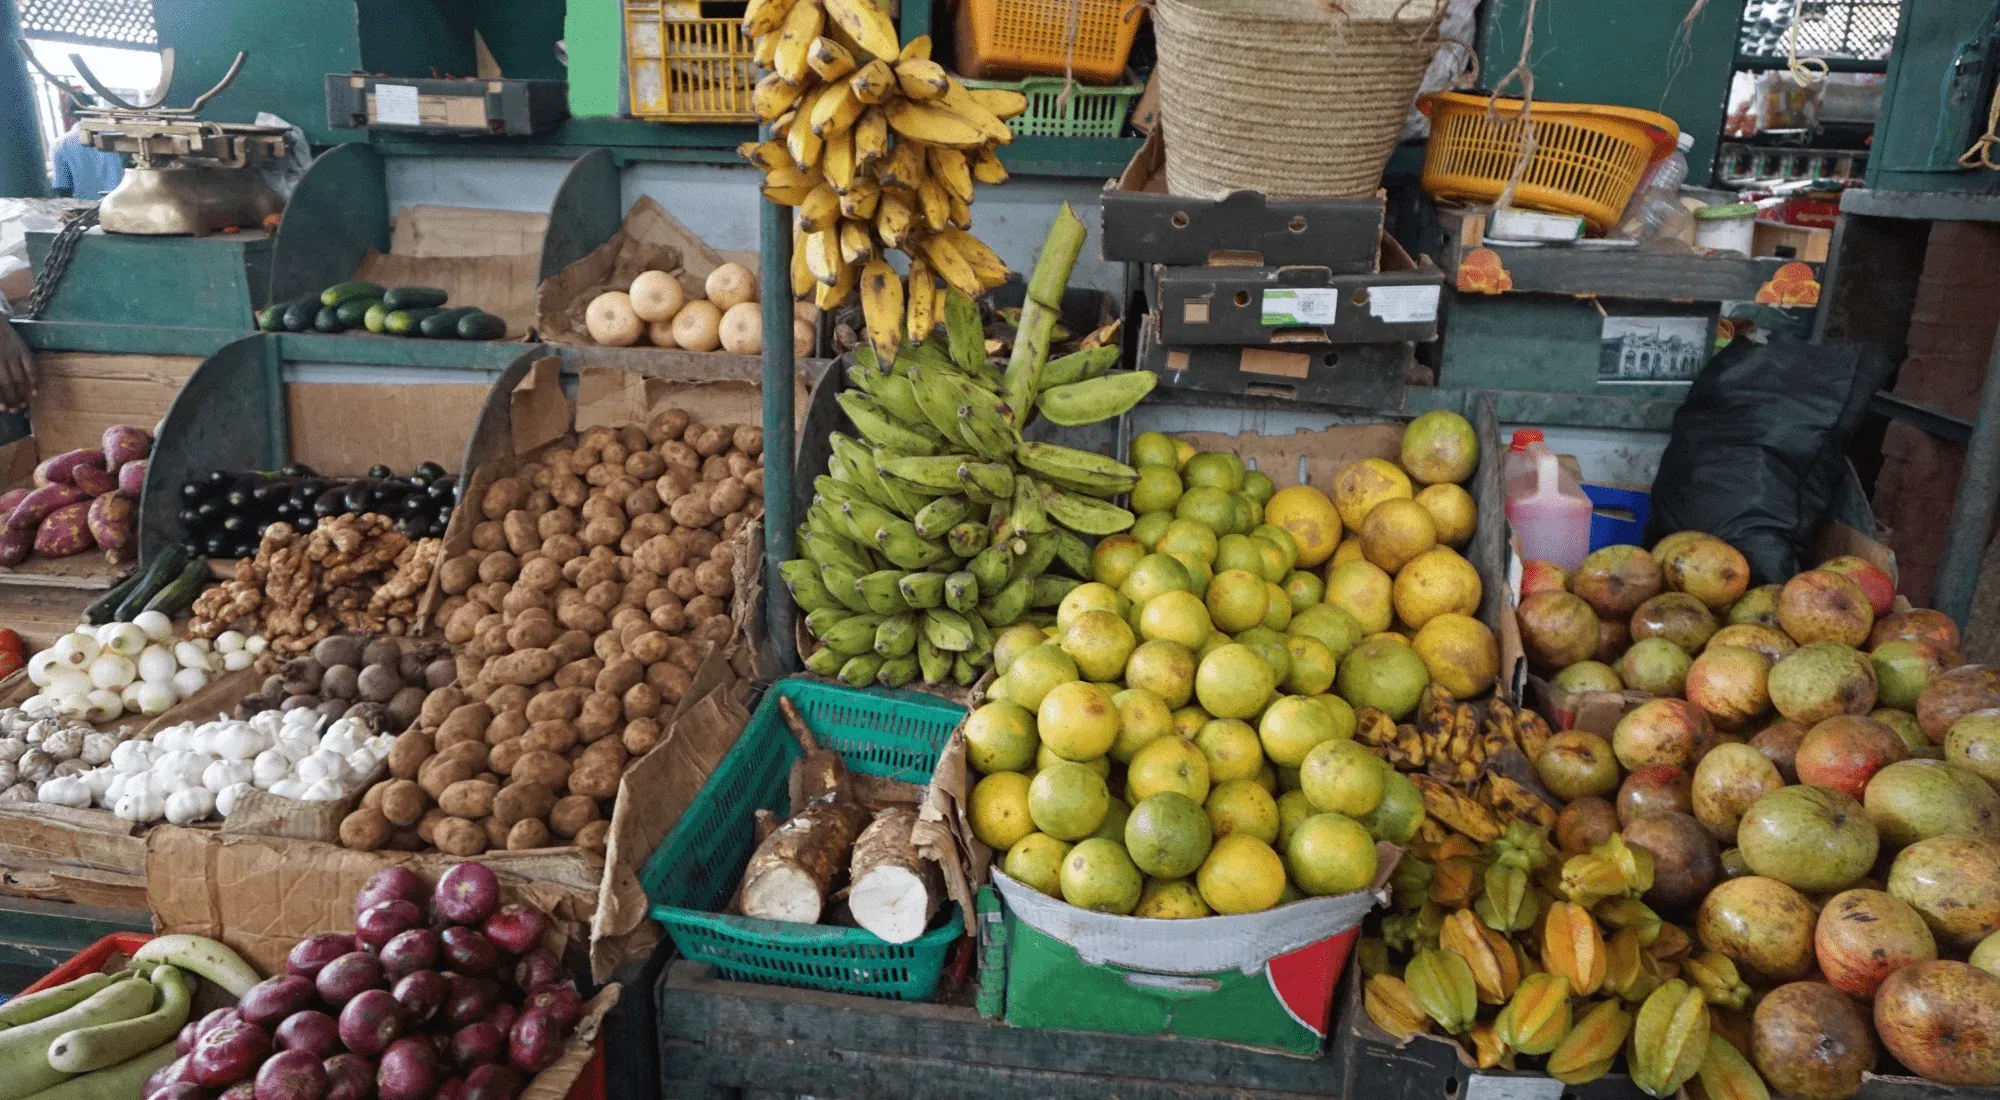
(1039, 311)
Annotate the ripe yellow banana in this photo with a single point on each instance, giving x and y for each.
(882, 308)
(803, 282)
(835, 110)
(950, 266)
(761, 17)
(874, 82)
(802, 25)
(949, 167)
(961, 214)
(985, 263)
(800, 141)
(1003, 103)
(893, 217)
(916, 49)
(921, 79)
(823, 255)
(935, 125)
(904, 166)
(936, 204)
(835, 294)
(869, 26)
(789, 186)
(861, 198)
(765, 53)
(923, 297)
(871, 138)
(829, 60)
(773, 97)
(820, 210)
(986, 167)
(857, 243)
(837, 160)
(960, 102)
(768, 156)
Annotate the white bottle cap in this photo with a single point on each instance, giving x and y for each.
(1684, 142)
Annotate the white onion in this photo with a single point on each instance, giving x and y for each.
(153, 699)
(229, 641)
(188, 681)
(75, 706)
(104, 705)
(157, 665)
(124, 639)
(67, 680)
(256, 644)
(39, 665)
(110, 670)
(190, 655)
(76, 650)
(157, 625)
(237, 661)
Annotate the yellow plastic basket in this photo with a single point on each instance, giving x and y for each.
(1004, 39)
(687, 70)
(1588, 158)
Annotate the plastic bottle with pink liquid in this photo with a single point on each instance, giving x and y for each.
(1545, 504)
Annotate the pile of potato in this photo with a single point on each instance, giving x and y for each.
(592, 590)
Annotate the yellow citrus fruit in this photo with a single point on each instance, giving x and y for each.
(1384, 673)
(1364, 591)
(1239, 552)
(1304, 590)
(1183, 451)
(1348, 550)
(1217, 469)
(1171, 899)
(1077, 721)
(1150, 448)
(1099, 876)
(1153, 575)
(1237, 600)
(1440, 446)
(1208, 506)
(1277, 608)
(1090, 596)
(1199, 573)
(1000, 737)
(1167, 835)
(1331, 854)
(1241, 806)
(1267, 777)
(1175, 617)
(1233, 682)
(1333, 626)
(1146, 530)
(1036, 860)
(1116, 811)
(1158, 489)
(1453, 513)
(1310, 518)
(1188, 721)
(1395, 532)
(1292, 809)
(1291, 727)
(1280, 538)
(1272, 563)
(1045, 759)
(1434, 583)
(1163, 668)
(1012, 642)
(1343, 714)
(1037, 670)
(1311, 665)
(1360, 486)
(1068, 801)
(1241, 875)
(1257, 486)
(1215, 641)
(1099, 642)
(1142, 719)
(999, 808)
(1460, 653)
(1186, 537)
(1112, 561)
(1232, 749)
(1169, 764)
(1397, 817)
(1269, 645)
(1342, 777)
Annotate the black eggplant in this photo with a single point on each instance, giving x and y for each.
(209, 511)
(416, 504)
(358, 497)
(236, 524)
(430, 471)
(194, 492)
(379, 471)
(330, 503)
(219, 477)
(238, 499)
(298, 469)
(444, 488)
(216, 546)
(191, 520)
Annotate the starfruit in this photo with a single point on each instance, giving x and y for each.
(1573, 948)
(1612, 869)
(1455, 881)
(1630, 913)
(1669, 1038)
(1410, 885)
(1442, 983)
(1718, 979)
(1672, 945)
(1495, 972)
(1524, 846)
(1389, 1002)
(1455, 846)
(1726, 1074)
(1487, 1048)
(1538, 1017)
(1413, 932)
(1629, 971)
(1509, 903)
(1372, 955)
(1586, 1053)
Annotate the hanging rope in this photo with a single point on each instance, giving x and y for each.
(1806, 71)
(1981, 153)
(1526, 75)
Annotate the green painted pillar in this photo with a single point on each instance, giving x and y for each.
(21, 171)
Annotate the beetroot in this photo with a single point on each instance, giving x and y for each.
(311, 1030)
(478, 1044)
(123, 443)
(273, 999)
(371, 1021)
(409, 952)
(409, 1070)
(164, 1076)
(228, 1053)
(516, 929)
(385, 920)
(349, 1077)
(314, 952)
(348, 975)
(492, 1082)
(560, 1001)
(469, 951)
(537, 968)
(291, 1075)
(131, 479)
(467, 893)
(421, 993)
(470, 1000)
(397, 883)
(535, 1042)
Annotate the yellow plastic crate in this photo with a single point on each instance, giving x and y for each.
(1588, 158)
(687, 70)
(1014, 38)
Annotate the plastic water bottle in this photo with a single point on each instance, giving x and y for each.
(1656, 207)
(1545, 505)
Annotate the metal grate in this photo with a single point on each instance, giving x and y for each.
(1855, 30)
(118, 23)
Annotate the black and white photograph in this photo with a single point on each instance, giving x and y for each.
(1652, 350)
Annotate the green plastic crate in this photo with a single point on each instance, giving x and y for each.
(1093, 111)
(893, 734)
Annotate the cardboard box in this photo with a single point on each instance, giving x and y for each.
(486, 258)
(1301, 305)
(1358, 376)
(468, 106)
(1792, 242)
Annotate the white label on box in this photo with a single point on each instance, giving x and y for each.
(1300, 305)
(1404, 305)
(1485, 1087)
(396, 105)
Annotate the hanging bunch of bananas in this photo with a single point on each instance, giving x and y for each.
(935, 525)
(878, 148)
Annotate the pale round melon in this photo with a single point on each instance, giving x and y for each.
(611, 321)
(731, 285)
(698, 327)
(657, 296)
(802, 338)
(661, 334)
(743, 329)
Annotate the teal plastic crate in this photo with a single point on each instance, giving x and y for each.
(892, 734)
(1093, 111)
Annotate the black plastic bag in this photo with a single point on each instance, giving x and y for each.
(1759, 448)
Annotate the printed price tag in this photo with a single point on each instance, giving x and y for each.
(1485, 1087)
(396, 105)
(1300, 306)
(1404, 305)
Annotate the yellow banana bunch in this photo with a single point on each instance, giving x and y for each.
(878, 148)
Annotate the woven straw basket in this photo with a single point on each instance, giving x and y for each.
(1288, 97)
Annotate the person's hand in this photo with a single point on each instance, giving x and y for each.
(17, 370)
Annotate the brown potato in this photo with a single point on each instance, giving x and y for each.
(372, 797)
(711, 441)
(568, 490)
(526, 666)
(691, 511)
(468, 798)
(593, 837)
(522, 537)
(645, 465)
(596, 571)
(754, 481)
(570, 645)
(442, 771)
(698, 543)
(686, 654)
(572, 813)
(505, 755)
(448, 608)
(704, 607)
(528, 834)
(669, 424)
(670, 680)
(620, 488)
(489, 536)
(642, 501)
(364, 830)
(502, 497)
(458, 837)
(561, 703)
(620, 674)
(713, 578)
(458, 629)
(546, 769)
(608, 647)
(505, 727)
(740, 464)
(496, 833)
(427, 825)
(603, 531)
(716, 628)
(640, 735)
(639, 586)
(556, 735)
(603, 473)
(542, 573)
(556, 521)
(627, 621)
(728, 496)
(403, 802)
(749, 439)
(670, 618)
(468, 671)
(562, 549)
(411, 749)
(651, 524)
(681, 583)
(604, 595)
(457, 574)
(660, 556)
(642, 700)
(438, 706)
(500, 565)
(661, 597)
(532, 632)
(680, 456)
(595, 777)
(580, 673)
(713, 469)
(602, 711)
(510, 697)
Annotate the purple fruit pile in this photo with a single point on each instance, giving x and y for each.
(439, 993)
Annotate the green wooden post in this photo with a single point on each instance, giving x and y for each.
(775, 259)
(21, 173)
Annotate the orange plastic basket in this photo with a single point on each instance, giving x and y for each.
(687, 70)
(1013, 38)
(1588, 158)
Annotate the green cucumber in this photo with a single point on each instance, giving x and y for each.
(327, 320)
(347, 292)
(179, 593)
(40, 1006)
(299, 315)
(103, 607)
(443, 325)
(481, 325)
(354, 311)
(89, 1049)
(272, 317)
(376, 318)
(168, 565)
(404, 322)
(414, 297)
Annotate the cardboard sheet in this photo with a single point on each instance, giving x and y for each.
(341, 429)
(434, 232)
(78, 394)
(501, 285)
(650, 240)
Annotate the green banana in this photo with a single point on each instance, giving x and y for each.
(938, 401)
(942, 514)
(801, 578)
(907, 550)
(1048, 590)
(897, 671)
(967, 539)
(835, 492)
(991, 566)
(1098, 399)
(1086, 515)
(854, 635)
(1034, 561)
(947, 630)
(922, 590)
(1074, 554)
(991, 479)
(931, 353)
(981, 653)
(898, 398)
(897, 635)
(990, 434)
(866, 520)
(877, 427)
(840, 581)
(965, 336)
(1008, 604)
(963, 672)
(825, 661)
(1083, 471)
(826, 549)
(961, 592)
(825, 619)
(1080, 366)
(859, 671)
(934, 663)
(881, 593)
(865, 356)
(933, 471)
(1028, 514)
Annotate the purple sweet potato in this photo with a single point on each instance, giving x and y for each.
(92, 480)
(11, 499)
(110, 518)
(66, 531)
(15, 545)
(36, 506)
(132, 478)
(60, 470)
(124, 444)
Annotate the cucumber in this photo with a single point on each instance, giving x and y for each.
(40, 1006)
(404, 322)
(299, 315)
(327, 320)
(377, 317)
(211, 960)
(165, 567)
(179, 593)
(347, 292)
(414, 297)
(103, 607)
(443, 325)
(88, 1049)
(354, 311)
(272, 317)
(119, 1082)
(481, 325)
(24, 1050)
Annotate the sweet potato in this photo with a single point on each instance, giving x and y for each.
(132, 478)
(93, 480)
(12, 499)
(110, 520)
(60, 469)
(123, 443)
(15, 545)
(38, 505)
(66, 531)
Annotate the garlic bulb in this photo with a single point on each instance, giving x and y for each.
(225, 773)
(40, 706)
(185, 807)
(323, 791)
(227, 797)
(64, 791)
(140, 806)
(99, 781)
(12, 748)
(64, 744)
(19, 792)
(239, 741)
(36, 765)
(269, 767)
(322, 765)
(297, 744)
(268, 723)
(97, 748)
(134, 757)
(288, 788)
(8, 774)
(70, 767)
